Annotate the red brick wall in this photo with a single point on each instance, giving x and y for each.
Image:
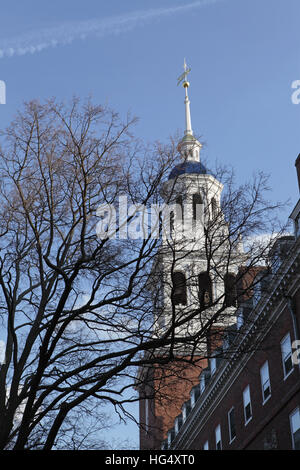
(172, 385)
(270, 422)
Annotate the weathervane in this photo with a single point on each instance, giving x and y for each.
(183, 76)
(185, 84)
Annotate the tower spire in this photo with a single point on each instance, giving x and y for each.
(189, 146)
(186, 84)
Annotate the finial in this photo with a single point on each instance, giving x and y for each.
(183, 76)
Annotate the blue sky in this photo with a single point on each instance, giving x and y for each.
(244, 56)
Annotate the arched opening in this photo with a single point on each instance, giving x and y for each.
(197, 207)
(179, 288)
(179, 208)
(230, 290)
(205, 289)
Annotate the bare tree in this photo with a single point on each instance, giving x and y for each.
(81, 312)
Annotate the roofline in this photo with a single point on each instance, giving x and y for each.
(295, 211)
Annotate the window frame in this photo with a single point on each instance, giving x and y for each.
(264, 400)
(212, 365)
(296, 410)
(247, 420)
(202, 383)
(287, 356)
(218, 430)
(231, 438)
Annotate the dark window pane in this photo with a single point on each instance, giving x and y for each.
(288, 365)
(205, 289)
(232, 425)
(179, 288)
(267, 391)
(197, 208)
(297, 439)
(230, 290)
(248, 412)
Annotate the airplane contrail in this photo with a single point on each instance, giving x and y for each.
(67, 32)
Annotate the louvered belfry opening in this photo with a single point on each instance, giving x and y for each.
(205, 289)
(179, 288)
(230, 290)
(197, 207)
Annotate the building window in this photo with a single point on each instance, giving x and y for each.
(195, 393)
(265, 382)
(205, 289)
(286, 354)
(213, 365)
(247, 405)
(218, 438)
(295, 428)
(202, 383)
(230, 290)
(178, 423)
(231, 425)
(171, 435)
(197, 207)
(206, 446)
(179, 288)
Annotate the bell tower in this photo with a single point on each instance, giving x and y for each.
(187, 282)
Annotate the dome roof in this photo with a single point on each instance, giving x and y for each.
(188, 167)
(188, 138)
